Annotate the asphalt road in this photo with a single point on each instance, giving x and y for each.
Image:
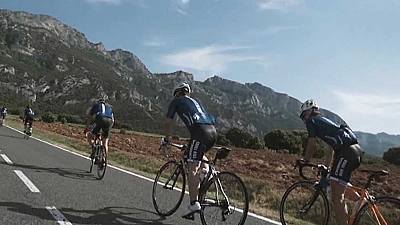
(66, 193)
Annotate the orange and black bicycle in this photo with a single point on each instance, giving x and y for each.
(306, 202)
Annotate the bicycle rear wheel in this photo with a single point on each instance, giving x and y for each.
(224, 200)
(388, 207)
(169, 188)
(101, 163)
(305, 205)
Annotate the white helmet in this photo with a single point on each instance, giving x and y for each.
(309, 104)
(182, 87)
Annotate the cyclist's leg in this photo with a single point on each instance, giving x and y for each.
(29, 125)
(106, 125)
(202, 138)
(91, 135)
(345, 162)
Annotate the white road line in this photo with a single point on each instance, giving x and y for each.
(26, 181)
(136, 175)
(58, 216)
(8, 161)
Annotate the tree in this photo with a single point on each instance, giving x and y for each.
(283, 139)
(238, 137)
(392, 155)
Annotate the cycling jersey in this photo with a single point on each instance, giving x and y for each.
(334, 135)
(28, 113)
(102, 109)
(190, 111)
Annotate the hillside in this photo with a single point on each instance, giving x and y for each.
(58, 69)
(377, 144)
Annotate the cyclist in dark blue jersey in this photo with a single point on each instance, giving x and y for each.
(346, 153)
(28, 120)
(102, 115)
(203, 136)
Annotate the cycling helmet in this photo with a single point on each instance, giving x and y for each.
(309, 104)
(101, 100)
(182, 87)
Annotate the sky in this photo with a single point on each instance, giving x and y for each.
(344, 54)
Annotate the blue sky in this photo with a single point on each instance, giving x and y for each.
(344, 54)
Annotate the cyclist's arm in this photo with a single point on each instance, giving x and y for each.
(329, 157)
(310, 148)
(168, 127)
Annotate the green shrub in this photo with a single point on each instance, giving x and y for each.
(238, 137)
(255, 143)
(122, 131)
(48, 117)
(392, 156)
(222, 140)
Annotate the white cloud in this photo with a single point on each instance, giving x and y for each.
(184, 1)
(154, 42)
(210, 59)
(277, 4)
(370, 112)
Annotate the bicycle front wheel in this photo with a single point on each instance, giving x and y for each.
(224, 200)
(303, 204)
(169, 188)
(101, 163)
(387, 209)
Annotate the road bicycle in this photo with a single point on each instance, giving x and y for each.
(306, 202)
(28, 131)
(222, 195)
(99, 158)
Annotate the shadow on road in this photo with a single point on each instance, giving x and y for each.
(65, 172)
(12, 136)
(108, 215)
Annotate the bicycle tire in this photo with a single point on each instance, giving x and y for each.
(231, 211)
(388, 206)
(101, 162)
(169, 183)
(318, 213)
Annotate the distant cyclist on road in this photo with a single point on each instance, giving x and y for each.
(28, 120)
(101, 114)
(346, 158)
(3, 114)
(202, 137)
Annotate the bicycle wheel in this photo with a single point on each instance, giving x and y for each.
(224, 200)
(169, 188)
(388, 207)
(302, 204)
(101, 163)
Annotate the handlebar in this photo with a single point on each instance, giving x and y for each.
(301, 164)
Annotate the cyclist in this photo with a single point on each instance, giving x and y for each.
(102, 115)
(3, 114)
(28, 120)
(202, 137)
(346, 154)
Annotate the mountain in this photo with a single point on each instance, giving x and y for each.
(54, 67)
(377, 144)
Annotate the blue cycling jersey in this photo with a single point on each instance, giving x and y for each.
(102, 109)
(190, 111)
(330, 132)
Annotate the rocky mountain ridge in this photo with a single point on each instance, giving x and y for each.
(55, 67)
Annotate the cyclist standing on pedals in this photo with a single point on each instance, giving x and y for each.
(347, 154)
(203, 136)
(102, 115)
(28, 120)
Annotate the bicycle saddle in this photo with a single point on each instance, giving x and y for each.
(376, 173)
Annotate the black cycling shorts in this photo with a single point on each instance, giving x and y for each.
(202, 138)
(104, 124)
(346, 160)
(28, 121)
